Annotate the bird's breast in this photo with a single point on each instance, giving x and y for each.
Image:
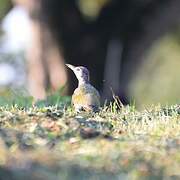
(86, 95)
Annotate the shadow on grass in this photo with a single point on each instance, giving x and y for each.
(64, 172)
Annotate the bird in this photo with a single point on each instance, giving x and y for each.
(85, 96)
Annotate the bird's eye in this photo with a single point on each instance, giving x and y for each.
(78, 69)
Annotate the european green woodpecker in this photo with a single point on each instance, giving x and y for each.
(85, 96)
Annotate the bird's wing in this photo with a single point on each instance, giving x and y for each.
(86, 95)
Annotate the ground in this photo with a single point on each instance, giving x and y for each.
(48, 140)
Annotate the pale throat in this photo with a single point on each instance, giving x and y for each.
(83, 80)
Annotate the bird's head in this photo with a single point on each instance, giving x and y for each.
(81, 73)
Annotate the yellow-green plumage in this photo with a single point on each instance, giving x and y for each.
(86, 97)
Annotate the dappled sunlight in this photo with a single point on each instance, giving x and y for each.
(129, 128)
(126, 143)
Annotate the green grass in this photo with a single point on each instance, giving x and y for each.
(50, 141)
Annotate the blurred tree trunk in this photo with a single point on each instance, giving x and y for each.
(133, 24)
(154, 21)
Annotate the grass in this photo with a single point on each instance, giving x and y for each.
(49, 140)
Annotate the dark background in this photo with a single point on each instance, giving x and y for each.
(140, 37)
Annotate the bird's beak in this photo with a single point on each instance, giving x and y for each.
(70, 66)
